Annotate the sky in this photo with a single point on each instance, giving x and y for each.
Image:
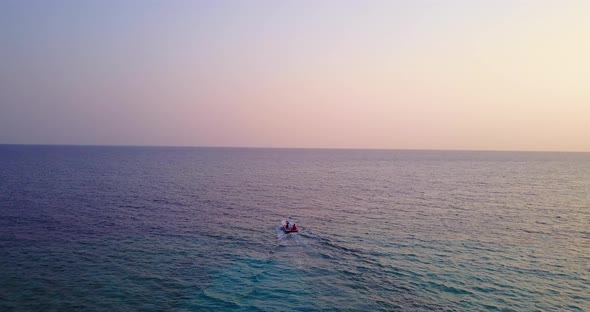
(416, 74)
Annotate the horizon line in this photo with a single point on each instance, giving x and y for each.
(291, 147)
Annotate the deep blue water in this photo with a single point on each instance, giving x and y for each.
(195, 229)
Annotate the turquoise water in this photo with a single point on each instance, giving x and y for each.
(195, 229)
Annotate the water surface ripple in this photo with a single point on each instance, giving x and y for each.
(193, 229)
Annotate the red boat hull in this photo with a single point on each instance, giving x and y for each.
(289, 231)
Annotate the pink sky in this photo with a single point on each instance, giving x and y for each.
(482, 75)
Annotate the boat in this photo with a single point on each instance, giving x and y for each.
(289, 226)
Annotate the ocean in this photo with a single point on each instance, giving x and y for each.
(99, 228)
